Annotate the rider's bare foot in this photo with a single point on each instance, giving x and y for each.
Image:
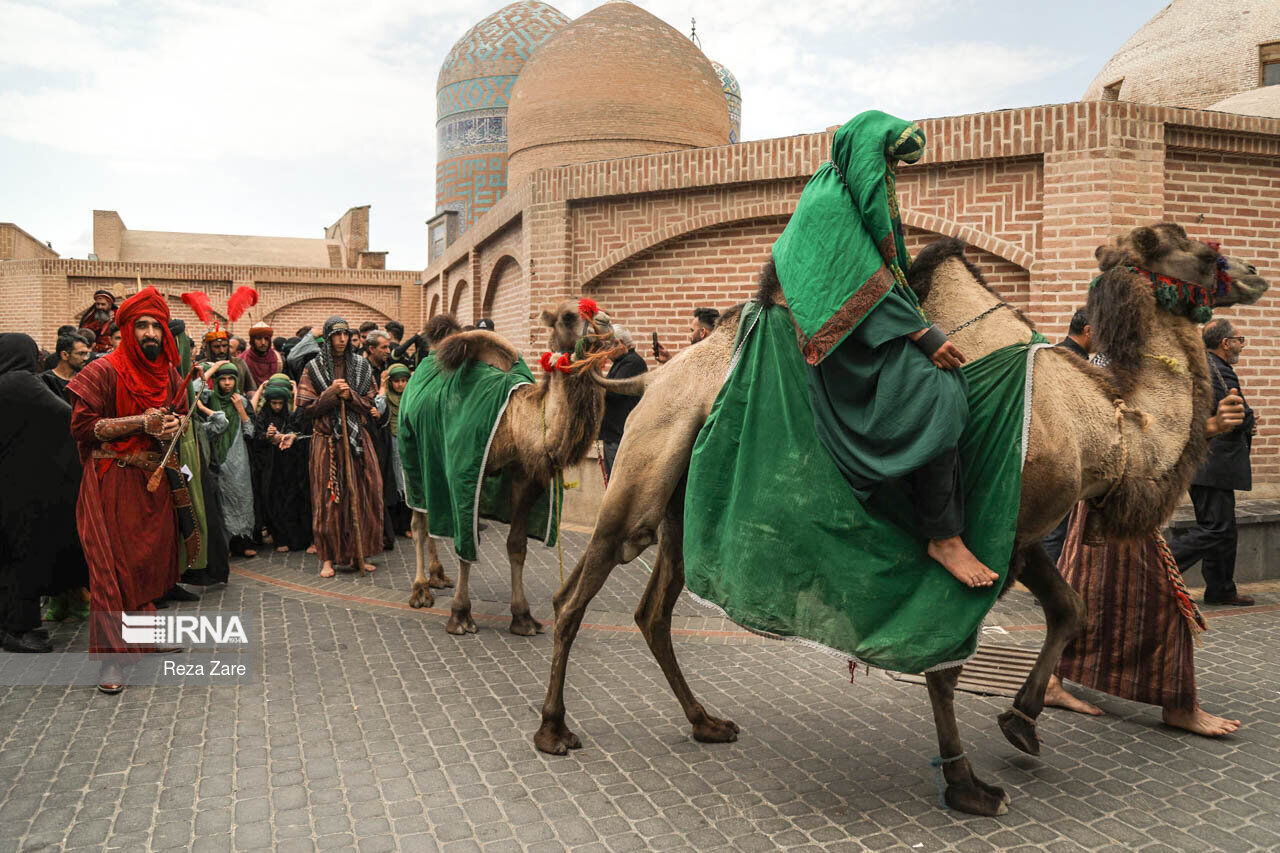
(957, 559)
(1198, 721)
(326, 570)
(1057, 696)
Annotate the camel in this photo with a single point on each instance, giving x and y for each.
(1134, 466)
(545, 428)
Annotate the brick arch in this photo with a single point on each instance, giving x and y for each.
(457, 302)
(725, 216)
(995, 245)
(435, 306)
(506, 299)
(316, 310)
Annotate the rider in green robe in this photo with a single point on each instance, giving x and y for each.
(887, 400)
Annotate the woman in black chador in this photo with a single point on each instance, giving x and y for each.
(280, 456)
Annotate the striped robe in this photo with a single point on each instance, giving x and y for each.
(1136, 644)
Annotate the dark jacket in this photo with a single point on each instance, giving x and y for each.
(1228, 464)
(618, 406)
(1074, 347)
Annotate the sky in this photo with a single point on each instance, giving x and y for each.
(273, 117)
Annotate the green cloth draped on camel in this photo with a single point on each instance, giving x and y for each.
(775, 536)
(446, 421)
(870, 437)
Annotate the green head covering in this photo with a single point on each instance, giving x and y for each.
(278, 387)
(221, 402)
(393, 399)
(843, 250)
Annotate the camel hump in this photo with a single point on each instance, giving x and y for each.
(480, 345)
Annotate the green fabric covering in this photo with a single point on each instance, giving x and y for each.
(446, 420)
(881, 407)
(775, 536)
(221, 402)
(189, 455)
(842, 250)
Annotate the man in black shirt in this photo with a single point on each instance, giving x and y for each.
(626, 363)
(1213, 490)
(72, 355)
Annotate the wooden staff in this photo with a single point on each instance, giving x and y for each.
(153, 482)
(350, 477)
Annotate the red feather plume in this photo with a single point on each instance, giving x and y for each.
(244, 298)
(199, 303)
(587, 307)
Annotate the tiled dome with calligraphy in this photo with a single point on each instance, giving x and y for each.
(472, 92)
(732, 99)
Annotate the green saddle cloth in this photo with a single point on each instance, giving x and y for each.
(775, 537)
(447, 419)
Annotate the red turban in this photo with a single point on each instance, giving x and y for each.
(142, 384)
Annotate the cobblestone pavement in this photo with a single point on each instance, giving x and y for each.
(371, 728)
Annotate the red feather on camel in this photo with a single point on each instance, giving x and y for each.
(199, 303)
(244, 298)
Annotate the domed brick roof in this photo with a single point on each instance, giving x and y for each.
(732, 99)
(472, 93)
(616, 82)
(1264, 101)
(1193, 53)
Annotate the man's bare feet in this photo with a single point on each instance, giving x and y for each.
(957, 559)
(282, 549)
(1058, 696)
(311, 549)
(326, 569)
(1198, 721)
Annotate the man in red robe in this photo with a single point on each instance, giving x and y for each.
(122, 417)
(98, 316)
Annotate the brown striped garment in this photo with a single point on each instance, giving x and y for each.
(1136, 643)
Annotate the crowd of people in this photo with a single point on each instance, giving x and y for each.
(291, 443)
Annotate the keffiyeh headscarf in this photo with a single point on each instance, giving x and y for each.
(359, 376)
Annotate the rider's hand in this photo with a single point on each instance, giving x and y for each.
(948, 356)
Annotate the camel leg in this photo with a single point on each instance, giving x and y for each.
(522, 621)
(571, 602)
(460, 621)
(1064, 616)
(653, 615)
(964, 791)
(435, 572)
(421, 596)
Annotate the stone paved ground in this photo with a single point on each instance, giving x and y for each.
(373, 729)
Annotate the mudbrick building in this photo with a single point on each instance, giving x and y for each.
(300, 281)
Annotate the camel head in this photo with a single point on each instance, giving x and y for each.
(1124, 298)
(578, 327)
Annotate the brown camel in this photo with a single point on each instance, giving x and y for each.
(1135, 464)
(545, 428)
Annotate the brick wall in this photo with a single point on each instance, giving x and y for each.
(18, 245)
(1236, 200)
(658, 289)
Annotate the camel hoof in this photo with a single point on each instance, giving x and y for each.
(524, 625)
(460, 623)
(556, 739)
(1019, 732)
(421, 597)
(437, 580)
(714, 730)
(983, 800)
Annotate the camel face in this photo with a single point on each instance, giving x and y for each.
(1166, 249)
(566, 325)
(1246, 285)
